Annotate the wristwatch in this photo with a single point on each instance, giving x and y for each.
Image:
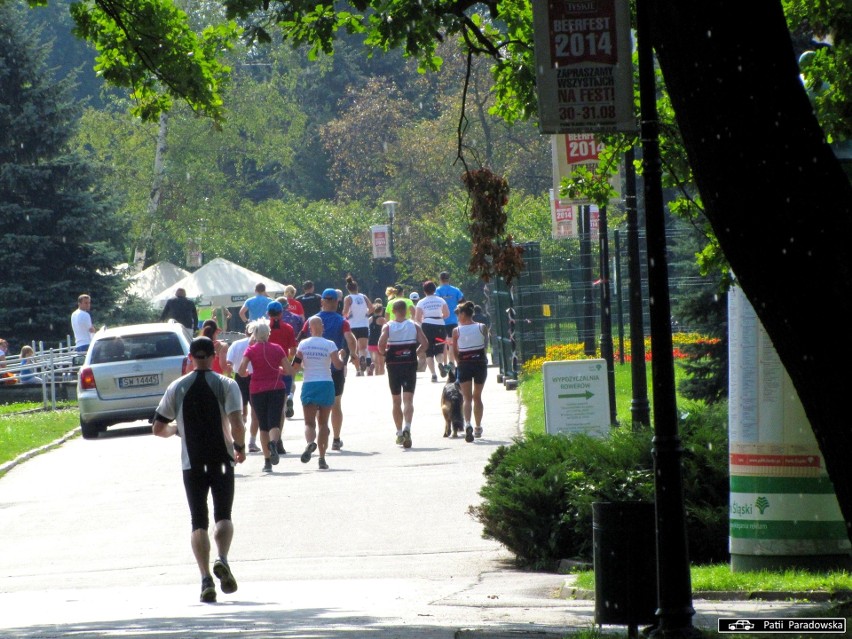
(239, 448)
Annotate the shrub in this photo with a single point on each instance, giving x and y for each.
(538, 492)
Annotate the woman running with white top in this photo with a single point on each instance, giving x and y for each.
(430, 313)
(469, 341)
(357, 309)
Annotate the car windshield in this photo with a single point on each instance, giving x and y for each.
(128, 347)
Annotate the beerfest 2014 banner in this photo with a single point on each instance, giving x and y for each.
(584, 75)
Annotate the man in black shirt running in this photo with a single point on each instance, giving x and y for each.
(199, 403)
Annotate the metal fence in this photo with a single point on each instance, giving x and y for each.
(52, 371)
(557, 301)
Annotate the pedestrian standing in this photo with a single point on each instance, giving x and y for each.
(453, 297)
(469, 342)
(182, 310)
(356, 309)
(235, 355)
(318, 358)
(81, 324)
(269, 362)
(203, 404)
(430, 313)
(402, 341)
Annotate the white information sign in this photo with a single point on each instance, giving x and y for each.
(576, 397)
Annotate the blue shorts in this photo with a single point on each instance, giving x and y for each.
(318, 393)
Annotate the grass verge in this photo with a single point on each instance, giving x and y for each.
(20, 432)
(719, 578)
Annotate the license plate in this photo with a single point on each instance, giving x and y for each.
(138, 380)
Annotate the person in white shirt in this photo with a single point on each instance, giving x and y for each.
(430, 313)
(316, 355)
(357, 309)
(232, 362)
(402, 341)
(469, 341)
(81, 324)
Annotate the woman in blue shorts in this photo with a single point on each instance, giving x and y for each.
(315, 356)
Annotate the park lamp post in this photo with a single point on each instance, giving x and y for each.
(390, 209)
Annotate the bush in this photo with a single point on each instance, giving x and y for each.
(538, 492)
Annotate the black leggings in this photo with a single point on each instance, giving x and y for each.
(217, 479)
(269, 405)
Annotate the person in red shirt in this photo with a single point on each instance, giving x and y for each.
(282, 333)
(295, 306)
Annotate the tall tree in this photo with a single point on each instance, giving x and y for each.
(59, 234)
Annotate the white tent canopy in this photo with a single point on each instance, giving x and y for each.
(155, 279)
(219, 283)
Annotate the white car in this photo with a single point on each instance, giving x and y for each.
(741, 624)
(126, 371)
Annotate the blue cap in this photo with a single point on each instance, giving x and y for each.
(274, 307)
(329, 294)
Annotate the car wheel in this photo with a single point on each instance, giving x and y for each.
(91, 429)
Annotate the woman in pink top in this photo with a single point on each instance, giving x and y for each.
(266, 389)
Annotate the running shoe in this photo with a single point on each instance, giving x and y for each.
(442, 369)
(435, 379)
(399, 439)
(406, 439)
(208, 590)
(322, 465)
(253, 448)
(468, 433)
(280, 448)
(226, 578)
(267, 466)
(337, 444)
(306, 456)
(359, 373)
(362, 363)
(477, 432)
(372, 369)
(288, 411)
(273, 452)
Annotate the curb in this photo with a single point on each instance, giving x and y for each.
(567, 591)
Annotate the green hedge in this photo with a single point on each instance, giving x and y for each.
(538, 492)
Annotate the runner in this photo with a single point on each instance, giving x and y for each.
(401, 342)
(430, 313)
(335, 328)
(469, 344)
(235, 355)
(266, 388)
(356, 309)
(282, 333)
(316, 356)
(453, 297)
(377, 320)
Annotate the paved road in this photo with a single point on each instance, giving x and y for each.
(95, 539)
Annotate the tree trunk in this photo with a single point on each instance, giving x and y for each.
(774, 192)
(141, 252)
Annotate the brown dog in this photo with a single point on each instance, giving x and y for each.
(451, 406)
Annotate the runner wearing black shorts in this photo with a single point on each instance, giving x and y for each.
(469, 342)
(402, 340)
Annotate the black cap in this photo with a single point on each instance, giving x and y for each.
(201, 347)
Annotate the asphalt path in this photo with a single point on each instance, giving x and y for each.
(95, 538)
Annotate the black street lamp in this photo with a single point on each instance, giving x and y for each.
(390, 209)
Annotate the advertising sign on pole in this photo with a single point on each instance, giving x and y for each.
(563, 219)
(379, 237)
(584, 74)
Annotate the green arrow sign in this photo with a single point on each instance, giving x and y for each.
(587, 395)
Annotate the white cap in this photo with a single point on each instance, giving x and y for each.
(414, 296)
